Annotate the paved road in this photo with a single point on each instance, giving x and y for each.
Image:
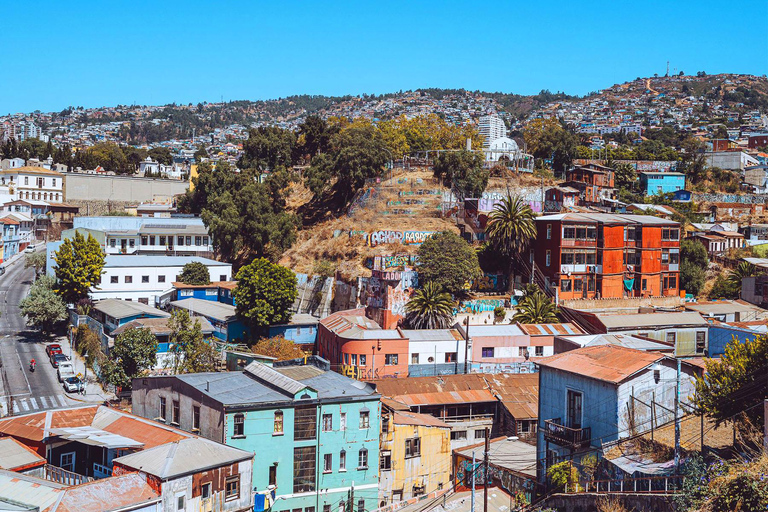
(30, 391)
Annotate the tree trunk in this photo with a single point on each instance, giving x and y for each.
(511, 274)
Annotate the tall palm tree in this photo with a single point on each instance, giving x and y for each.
(536, 308)
(511, 227)
(744, 269)
(429, 308)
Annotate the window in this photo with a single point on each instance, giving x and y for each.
(113, 279)
(342, 460)
(175, 412)
(522, 351)
(539, 350)
(26, 180)
(671, 336)
(364, 419)
(578, 285)
(450, 357)
(144, 279)
(143, 239)
(414, 358)
(180, 240)
(238, 429)
(670, 234)
(304, 423)
(205, 240)
(151, 239)
(327, 422)
(162, 408)
(304, 469)
(362, 459)
(565, 285)
(569, 233)
(574, 409)
(67, 461)
(198, 240)
(390, 359)
(232, 488)
(327, 463)
(112, 242)
(205, 490)
(361, 505)
(488, 351)
(195, 417)
(222, 277)
(189, 240)
(480, 433)
(549, 231)
(162, 240)
(645, 284)
(458, 435)
(354, 359)
(160, 279)
(180, 502)
(701, 342)
(523, 427)
(343, 421)
(327, 508)
(362, 356)
(278, 423)
(549, 258)
(272, 475)
(131, 243)
(385, 460)
(413, 447)
(128, 279)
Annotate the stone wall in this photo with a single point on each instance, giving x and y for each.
(588, 502)
(595, 305)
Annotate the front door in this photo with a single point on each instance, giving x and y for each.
(123, 245)
(574, 409)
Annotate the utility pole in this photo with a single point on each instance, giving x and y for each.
(472, 501)
(677, 420)
(485, 471)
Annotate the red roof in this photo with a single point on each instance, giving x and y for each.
(609, 363)
(114, 493)
(417, 419)
(31, 426)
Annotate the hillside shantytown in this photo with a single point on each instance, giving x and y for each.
(411, 299)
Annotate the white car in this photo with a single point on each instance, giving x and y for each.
(30, 249)
(65, 371)
(73, 385)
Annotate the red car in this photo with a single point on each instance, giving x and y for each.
(53, 349)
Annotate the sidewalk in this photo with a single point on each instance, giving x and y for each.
(93, 390)
(19, 256)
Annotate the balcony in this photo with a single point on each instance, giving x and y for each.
(556, 432)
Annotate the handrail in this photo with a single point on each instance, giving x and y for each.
(635, 485)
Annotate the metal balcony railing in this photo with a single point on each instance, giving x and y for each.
(556, 432)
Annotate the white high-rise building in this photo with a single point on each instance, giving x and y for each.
(491, 127)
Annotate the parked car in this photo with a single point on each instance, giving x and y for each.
(53, 348)
(57, 359)
(65, 371)
(29, 249)
(73, 385)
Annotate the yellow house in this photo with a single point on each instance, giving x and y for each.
(415, 451)
(192, 175)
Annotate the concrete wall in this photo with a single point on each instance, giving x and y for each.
(594, 305)
(89, 187)
(587, 502)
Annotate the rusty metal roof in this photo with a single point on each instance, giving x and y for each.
(32, 426)
(609, 363)
(517, 392)
(550, 329)
(447, 397)
(417, 419)
(115, 493)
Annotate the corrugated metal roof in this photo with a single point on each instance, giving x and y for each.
(550, 329)
(518, 393)
(32, 426)
(118, 309)
(447, 397)
(14, 455)
(495, 330)
(431, 334)
(273, 377)
(648, 320)
(723, 307)
(183, 457)
(354, 325)
(413, 418)
(609, 363)
(115, 493)
(159, 326)
(95, 437)
(608, 218)
(28, 490)
(209, 308)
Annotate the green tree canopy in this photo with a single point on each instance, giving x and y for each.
(35, 260)
(161, 155)
(42, 307)
(693, 266)
(267, 147)
(463, 172)
(536, 308)
(195, 273)
(547, 139)
(79, 263)
(135, 351)
(265, 293)
(279, 347)
(511, 227)
(191, 353)
(429, 308)
(449, 261)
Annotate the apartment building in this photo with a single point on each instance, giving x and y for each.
(593, 181)
(35, 183)
(491, 127)
(600, 255)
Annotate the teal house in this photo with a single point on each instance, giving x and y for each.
(314, 432)
(657, 183)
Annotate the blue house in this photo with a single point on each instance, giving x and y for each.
(227, 326)
(301, 329)
(583, 397)
(216, 291)
(113, 313)
(683, 196)
(11, 238)
(656, 183)
(314, 432)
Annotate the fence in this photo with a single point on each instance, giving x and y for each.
(649, 484)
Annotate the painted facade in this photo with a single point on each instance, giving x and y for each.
(657, 183)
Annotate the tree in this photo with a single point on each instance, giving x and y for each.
(547, 139)
(563, 474)
(265, 293)
(511, 227)
(625, 176)
(536, 308)
(79, 263)
(499, 313)
(737, 275)
(161, 155)
(724, 288)
(42, 307)
(449, 261)
(693, 266)
(267, 147)
(313, 137)
(463, 172)
(429, 308)
(279, 347)
(88, 344)
(35, 260)
(735, 382)
(135, 351)
(191, 353)
(200, 153)
(195, 273)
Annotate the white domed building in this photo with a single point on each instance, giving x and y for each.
(502, 148)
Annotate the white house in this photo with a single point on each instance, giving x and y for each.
(35, 183)
(146, 278)
(435, 352)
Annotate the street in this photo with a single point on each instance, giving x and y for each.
(26, 391)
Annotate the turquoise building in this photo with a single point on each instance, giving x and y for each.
(314, 433)
(657, 183)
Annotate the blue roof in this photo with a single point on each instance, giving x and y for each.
(136, 260)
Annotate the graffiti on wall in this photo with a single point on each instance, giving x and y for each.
(386, 236)
(480, 305)
(392, 262)
(355, 372)
(490, 283)
(519, 487)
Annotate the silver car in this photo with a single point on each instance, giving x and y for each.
(73, 385)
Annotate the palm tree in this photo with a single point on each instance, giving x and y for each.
(429, 308)
(536, 308)
(744, 269)
(511, 227)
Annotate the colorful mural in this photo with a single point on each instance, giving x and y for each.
(398, 237)
(520, 487)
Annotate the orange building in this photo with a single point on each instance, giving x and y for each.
(594, 181)
(593, 255)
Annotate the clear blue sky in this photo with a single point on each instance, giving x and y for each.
(62, 53)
